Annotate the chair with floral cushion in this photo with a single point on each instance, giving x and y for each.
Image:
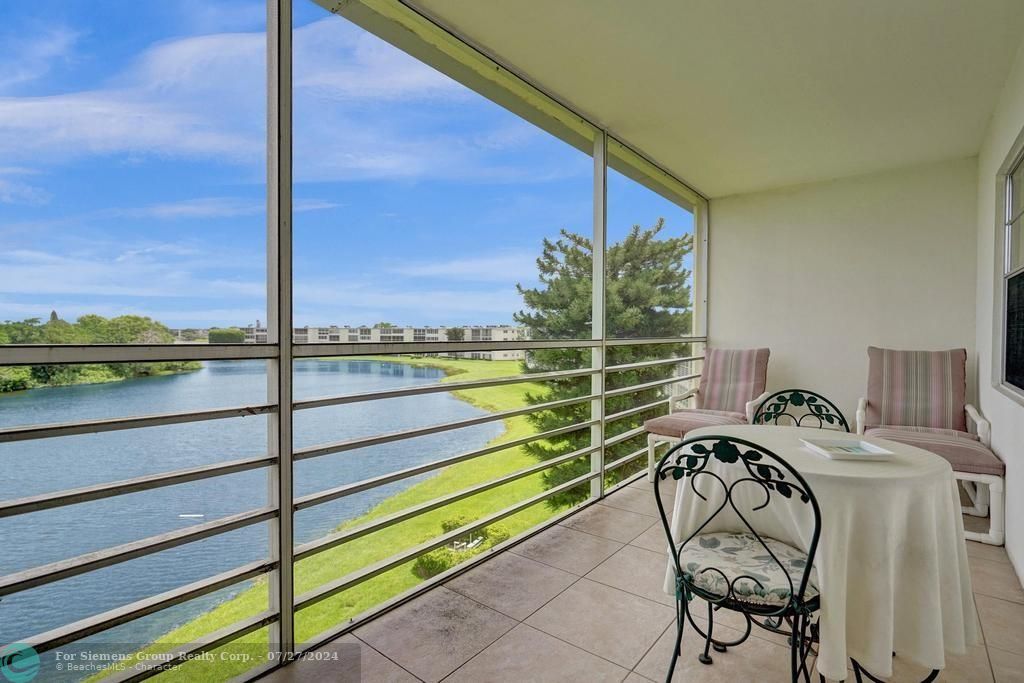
(919, 398)
(723, 558)
(732, 383)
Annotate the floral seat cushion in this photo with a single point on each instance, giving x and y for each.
(714, 561)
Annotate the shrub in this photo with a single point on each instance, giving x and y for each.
(437, 561)
(226, 335)
(16, 379)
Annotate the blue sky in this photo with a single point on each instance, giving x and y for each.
(132, 173)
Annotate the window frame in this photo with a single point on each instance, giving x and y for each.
(1006, 222)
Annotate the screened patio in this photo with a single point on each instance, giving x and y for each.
(448, 497)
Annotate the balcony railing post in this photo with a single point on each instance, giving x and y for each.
(597, 355)
(279, 315)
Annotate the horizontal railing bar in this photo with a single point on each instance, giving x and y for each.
(309, 500)
(45, 501)
(338, 585)
(75, 354)
(182, 655)
(655, 340)
(83, 628)
(624, 436)
(639, 409)
(437, 388)
(363, 442)
(615, 464)
(402, 348)
(334, 540)
(48, 431)
(648, 385)
(55, 571)
(651, 363)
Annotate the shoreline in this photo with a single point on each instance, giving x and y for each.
(100, 378)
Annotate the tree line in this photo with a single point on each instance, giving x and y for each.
(88, 329)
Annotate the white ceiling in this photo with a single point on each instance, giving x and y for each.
(741, 95)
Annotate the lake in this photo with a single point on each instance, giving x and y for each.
(47, 465)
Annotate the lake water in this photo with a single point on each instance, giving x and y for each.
(46, 465)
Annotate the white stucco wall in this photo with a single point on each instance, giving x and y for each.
(818, 272)
(1007, 416)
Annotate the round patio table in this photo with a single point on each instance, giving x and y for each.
(891, 565)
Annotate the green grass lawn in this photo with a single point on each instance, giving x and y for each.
(359, 553)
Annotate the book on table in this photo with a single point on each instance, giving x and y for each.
(847, 449)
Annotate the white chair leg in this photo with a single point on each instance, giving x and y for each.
(979, 497)
(996, 525)
(989, 495)
(651, 462)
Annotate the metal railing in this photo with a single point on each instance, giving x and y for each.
(56, 571)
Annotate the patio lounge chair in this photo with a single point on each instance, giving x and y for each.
(919, 398)
(731, 386)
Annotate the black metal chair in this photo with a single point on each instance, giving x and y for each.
(793, 406)
(766, 580)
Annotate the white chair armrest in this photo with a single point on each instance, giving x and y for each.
(862, 414)
(982, 427)
(681, 397)
(752, 405)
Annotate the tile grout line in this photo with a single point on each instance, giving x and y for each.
(594, 653)
(672, 624)
(540, 630)
(984, 640)
(382, 655)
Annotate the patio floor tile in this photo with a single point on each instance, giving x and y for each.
(1003, 623)
(580, 616)
(567, 549)
(984, 551)
(635, 570)
(512, 584)
(436, 633)
(526, 654)
(356, 661)
(1007, 667)
(754, 660)
(995, 579)
(611, 523)
(637, 500)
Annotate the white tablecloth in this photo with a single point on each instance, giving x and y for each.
(891, 562)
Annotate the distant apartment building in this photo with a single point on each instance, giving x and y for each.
(334, 334)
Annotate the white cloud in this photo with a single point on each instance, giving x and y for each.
(25, 60)
(17, 192)
(203, 98)
(333, 60)
(160, 271)
(509, 268)
(204, 207)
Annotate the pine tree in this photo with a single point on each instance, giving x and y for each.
(646, 295)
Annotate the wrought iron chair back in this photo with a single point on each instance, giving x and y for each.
(757, 467)
(793, 407)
